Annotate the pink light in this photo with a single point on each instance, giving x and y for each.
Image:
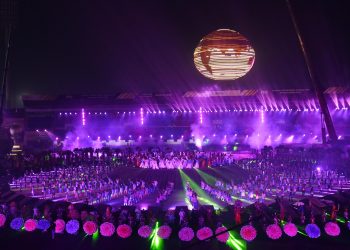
(290, 139)
(83, 120)
(200, 115)
(141, 116)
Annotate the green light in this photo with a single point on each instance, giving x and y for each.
(211, 180)
(300, 231)
(202, 195)
(242, 199)
(156, 241)
(95, 236)
(234, 243)
(235, 148)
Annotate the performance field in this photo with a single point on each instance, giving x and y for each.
(171, 190)
(167, 125)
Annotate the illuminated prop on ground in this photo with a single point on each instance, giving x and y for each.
(224, 55)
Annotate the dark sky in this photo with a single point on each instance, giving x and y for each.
(103, 47)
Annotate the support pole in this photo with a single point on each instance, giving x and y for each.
(4, 78)
(314, 80)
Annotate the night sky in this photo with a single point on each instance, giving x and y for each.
(104, 47)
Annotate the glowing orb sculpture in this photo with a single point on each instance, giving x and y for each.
(224, 55)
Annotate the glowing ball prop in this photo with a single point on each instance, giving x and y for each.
(332, 229)
(2, 220)
(107, 229)
(164, 231)
(224, 55)
(43, 225)
(273, 231)
(60, 226)
(90, 227)
(204, 233)
(224, 236)
(145, 231)
(17, 223)
(290, 229)
(30, 225)
(248, 233)
(72, 226)
(124, 231)
(186, 234)
(313, 231)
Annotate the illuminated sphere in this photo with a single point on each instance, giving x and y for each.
(224, 55)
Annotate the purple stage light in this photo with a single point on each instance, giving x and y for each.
(83, 121)
(141, 116)
(200, 115)
(56, 138)
(290, 139)
(37, 130)
(45, 130)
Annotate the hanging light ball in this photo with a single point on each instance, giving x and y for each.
(224, 55)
